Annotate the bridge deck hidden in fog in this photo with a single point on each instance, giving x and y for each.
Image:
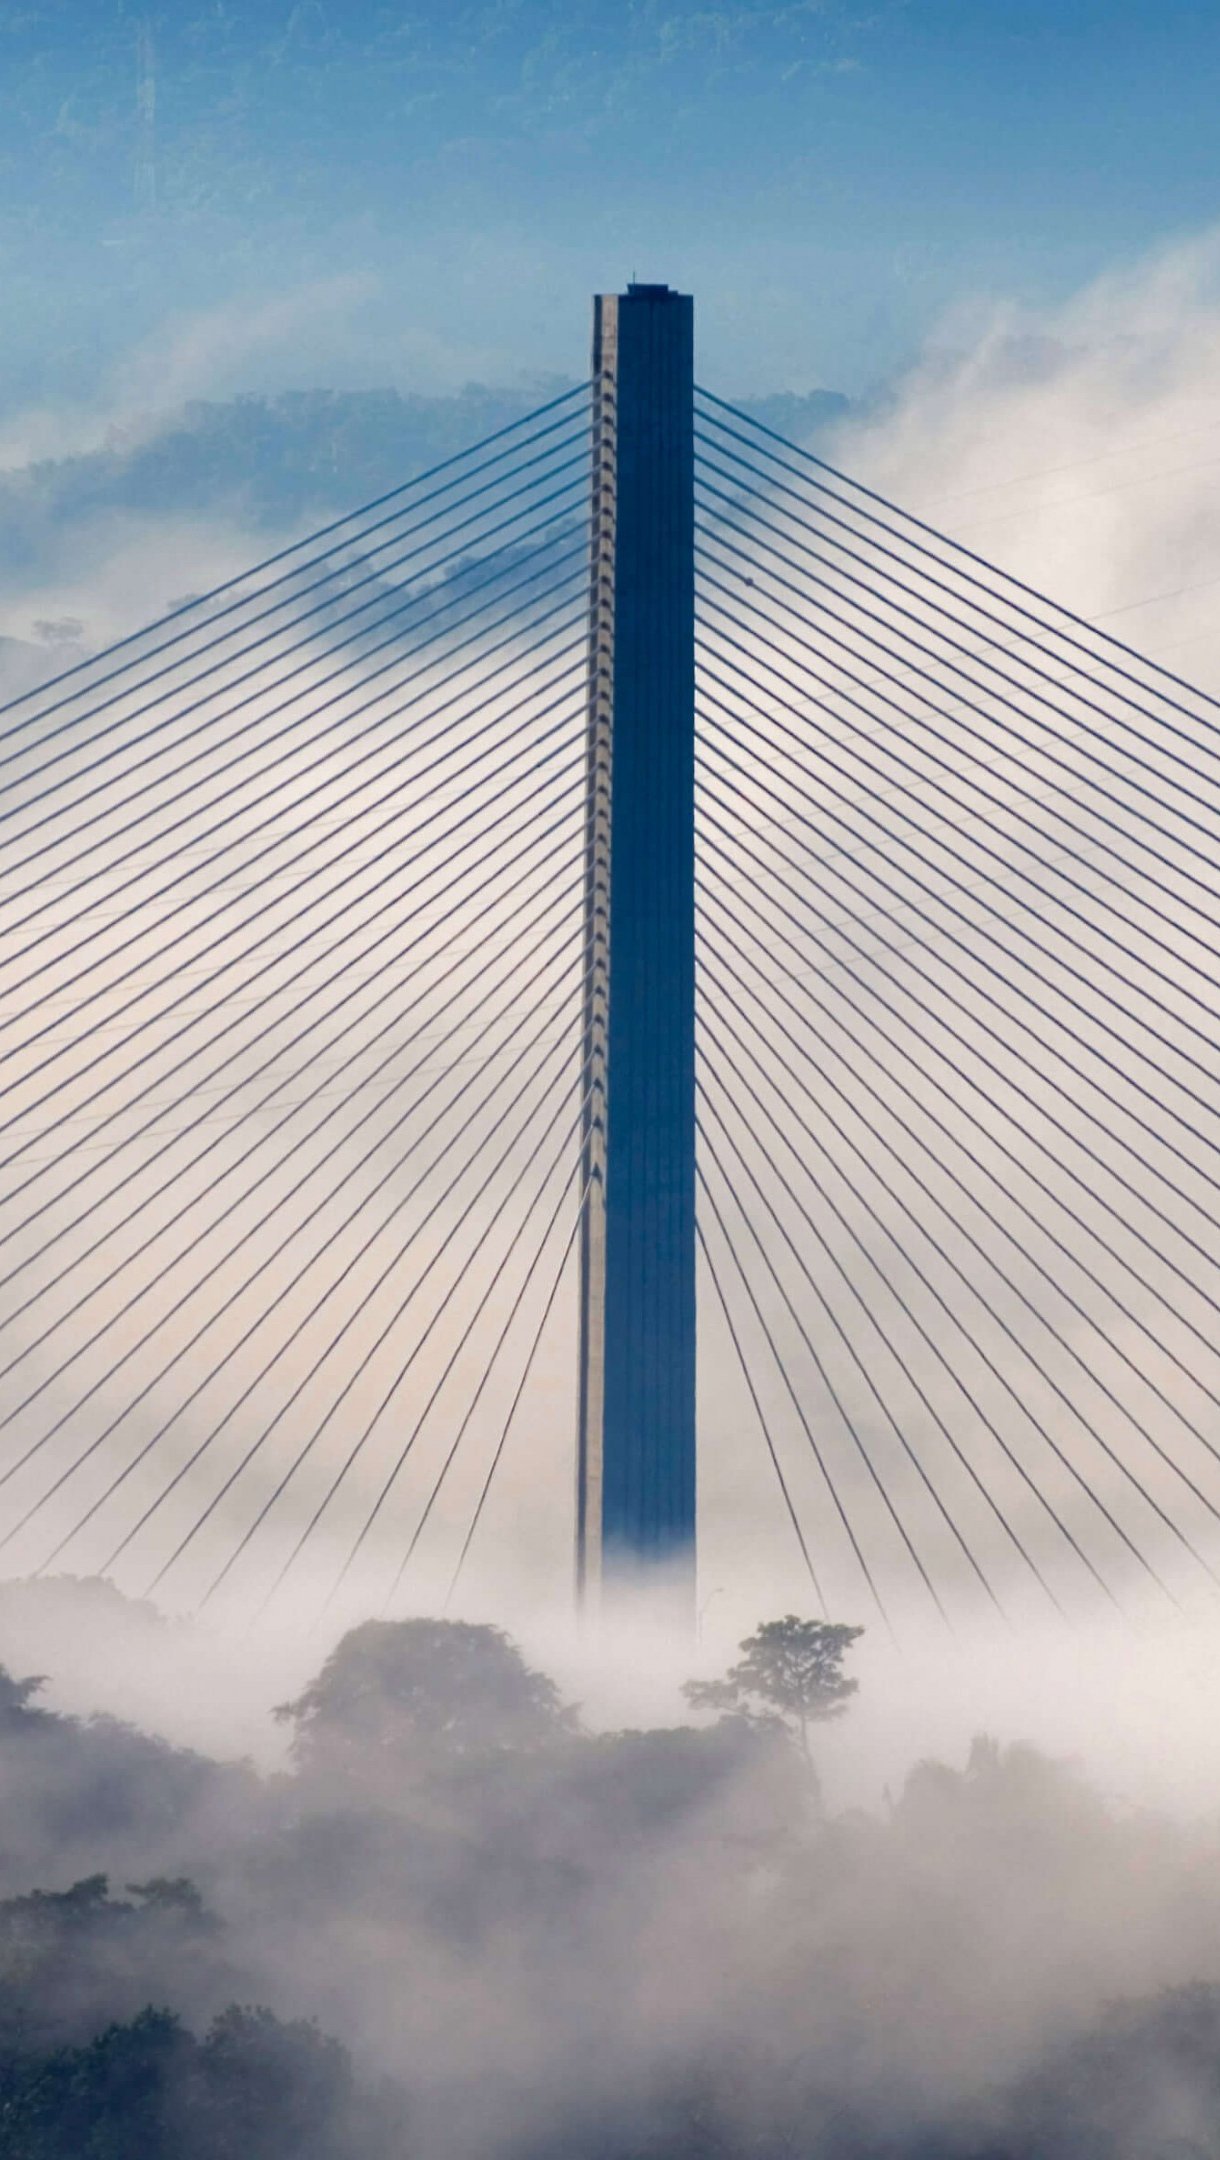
(630, 965)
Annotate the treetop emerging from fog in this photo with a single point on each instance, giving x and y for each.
(790, 1671)
(422, 1688)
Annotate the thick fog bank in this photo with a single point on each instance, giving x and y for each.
(555, 1922)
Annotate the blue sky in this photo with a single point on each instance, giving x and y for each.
(451, 180)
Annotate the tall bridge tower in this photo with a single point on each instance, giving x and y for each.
(636, 1466)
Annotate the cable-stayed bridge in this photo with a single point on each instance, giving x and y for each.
(631, 870)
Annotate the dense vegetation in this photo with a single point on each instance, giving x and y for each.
(535, 1942)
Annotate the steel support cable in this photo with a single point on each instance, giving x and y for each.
(838, 924)
(150, 1445)
(403, 1304)
(43, 1163)
(488, 1369)
(117, 1482)
(319, 611)
(873, 578)
(390, 850)
(290, 1112)
(835, 1496)
(782, 672)
(360, 761)
(1056, 1335)
(155, 1440)
(287, 777)
(1010, 1049)
(452, 726)
(237, 1000)
(1024, 478)
(1107, 644)
(288, 1109)
(954, 720)
(490, 906)
(431, 594)
(536, 801)
(312, 1169)
(210, 1121)
(904, 1053)
(270, 1593)
(952, 1374)
(874, 1323)
(816, 710)
(882, 734)
(462, 1343)
(210, 1118)
(708, 1059)
(828, 857)
(1007, 577)
(991, 884)
(454, 718)
(993, 1316)
(1065, 668)
(797, 713)
(269, 562)
(515, 1403)
(486, 1372)
(191, 986)
(261, 680)
(227, 1124)
(238, 1294)
(1055, 864)
(525, 713)
(353, 686)
(540, 798)
(242, 1199)
(765, 1429)
(767, 489)
(1036, 1103)
(1065, 996)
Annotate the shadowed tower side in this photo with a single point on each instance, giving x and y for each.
(636, 1474)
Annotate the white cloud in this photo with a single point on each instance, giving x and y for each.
(1079, 447)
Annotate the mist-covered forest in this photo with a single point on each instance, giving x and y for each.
(458, 1920)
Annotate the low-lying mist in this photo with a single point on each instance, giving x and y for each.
(598, 1914)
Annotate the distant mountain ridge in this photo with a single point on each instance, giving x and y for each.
(279, 462)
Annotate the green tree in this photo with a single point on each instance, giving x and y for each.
(268, 2089)
(405, 1694)
(790, 1673)
(109, 2100)
(253, 2089)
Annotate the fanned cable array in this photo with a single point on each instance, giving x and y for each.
(293, 1083)
(959, 1079)
(290, 1065)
